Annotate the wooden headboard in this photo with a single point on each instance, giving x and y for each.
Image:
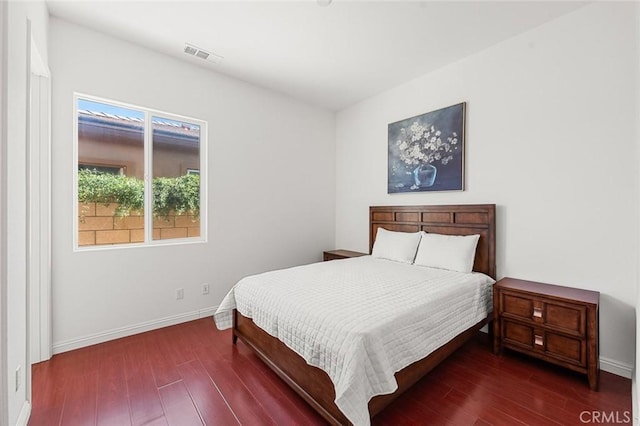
(450, 220)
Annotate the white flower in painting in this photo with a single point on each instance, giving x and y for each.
(416, 152)
(423, 144)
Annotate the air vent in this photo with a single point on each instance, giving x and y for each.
(202, 54)
(192, 50)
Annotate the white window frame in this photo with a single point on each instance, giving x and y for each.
(148, 176)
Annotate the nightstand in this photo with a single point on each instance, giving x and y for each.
(550, 322)
(341, 254)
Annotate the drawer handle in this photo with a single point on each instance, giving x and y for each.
(538, 340)
(537, 312)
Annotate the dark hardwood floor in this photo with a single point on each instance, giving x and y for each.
(191, 374)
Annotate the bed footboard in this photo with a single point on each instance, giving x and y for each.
(315, 386)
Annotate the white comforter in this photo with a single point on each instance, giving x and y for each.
(362, 319)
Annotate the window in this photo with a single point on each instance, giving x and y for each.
(139, 175)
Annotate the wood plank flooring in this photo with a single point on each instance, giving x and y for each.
(191, 374)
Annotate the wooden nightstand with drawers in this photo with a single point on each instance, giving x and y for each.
(554, 323)
(340, 254)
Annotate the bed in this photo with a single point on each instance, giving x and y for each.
(315, 385)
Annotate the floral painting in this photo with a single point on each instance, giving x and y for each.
(426, 153)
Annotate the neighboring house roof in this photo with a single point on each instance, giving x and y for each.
(164, 132)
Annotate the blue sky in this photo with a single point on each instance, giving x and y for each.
(124, 112)
(111, 109)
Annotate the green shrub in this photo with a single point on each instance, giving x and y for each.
(180, 194)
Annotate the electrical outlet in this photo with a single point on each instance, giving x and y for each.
(18, 377)
(205, 288)
(179, 293)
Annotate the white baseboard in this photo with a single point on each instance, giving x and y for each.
(616, 367)
(81, 342)
(25, 413)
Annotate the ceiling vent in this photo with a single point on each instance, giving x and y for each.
(192, 50)
(202, 54)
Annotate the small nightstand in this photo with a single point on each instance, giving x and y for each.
(554, 323)
(341, 254)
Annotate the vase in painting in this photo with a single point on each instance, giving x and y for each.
(424, 175)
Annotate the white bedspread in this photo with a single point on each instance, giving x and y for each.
(362, 319)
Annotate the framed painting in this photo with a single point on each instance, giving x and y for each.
(426, 152)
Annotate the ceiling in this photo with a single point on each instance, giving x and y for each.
(331, 56)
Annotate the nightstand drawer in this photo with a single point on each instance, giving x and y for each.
(517, 305)
(518, 335)
(560, 316)
(531, 339)
(566, 317)
(566, 348)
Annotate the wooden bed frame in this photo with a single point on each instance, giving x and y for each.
(313, 384)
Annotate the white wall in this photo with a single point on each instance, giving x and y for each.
(14, 183)
(550, 140)
(271, 189)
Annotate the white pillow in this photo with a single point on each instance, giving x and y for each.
(452, 252)
(398, 246)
